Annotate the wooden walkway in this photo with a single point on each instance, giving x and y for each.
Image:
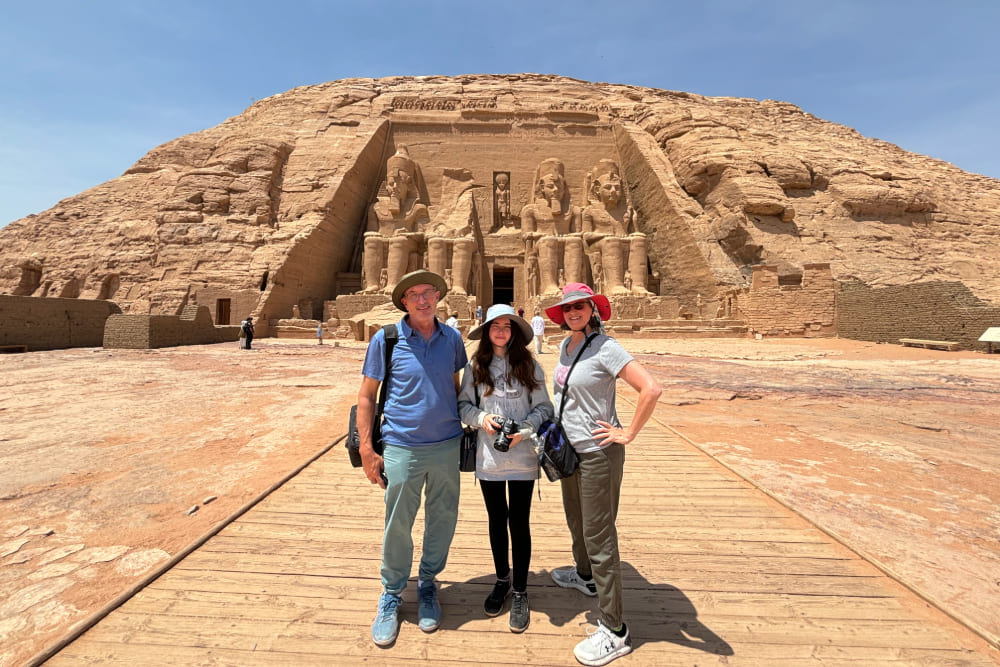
(715, 571)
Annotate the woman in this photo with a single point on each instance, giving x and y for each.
(504, 382)
(590, 496)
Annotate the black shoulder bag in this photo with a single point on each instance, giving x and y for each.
(557, 456)
(470, 442)
(353, 437)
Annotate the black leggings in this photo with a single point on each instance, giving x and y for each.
(516, 517)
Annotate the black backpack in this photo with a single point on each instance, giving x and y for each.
(353, 437)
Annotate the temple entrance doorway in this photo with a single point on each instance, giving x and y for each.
(503, 285)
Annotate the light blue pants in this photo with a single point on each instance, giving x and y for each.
(411, 470)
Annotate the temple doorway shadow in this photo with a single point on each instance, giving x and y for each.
(655, 612)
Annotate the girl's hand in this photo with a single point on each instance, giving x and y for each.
(610, 434)
(491, 423)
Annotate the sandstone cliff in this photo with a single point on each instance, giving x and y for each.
(266, 209)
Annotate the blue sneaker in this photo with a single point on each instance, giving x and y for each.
(385, 627)
(428, 609)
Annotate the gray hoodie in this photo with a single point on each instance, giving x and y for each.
(528, 409)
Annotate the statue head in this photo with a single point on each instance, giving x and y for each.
(550, 182)
(606, 184)
(400, 174)
(502, 180)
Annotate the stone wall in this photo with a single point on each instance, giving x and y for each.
(141, 332)
(241, 302)
(936, 310)
(53, 323)
(804, 310)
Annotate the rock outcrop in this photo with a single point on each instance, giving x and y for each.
(267, 209)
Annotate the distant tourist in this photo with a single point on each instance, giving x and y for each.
(319, 334)
(453, 321)
(246, 333)
(538, 328)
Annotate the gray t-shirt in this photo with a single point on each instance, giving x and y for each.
(591, 394)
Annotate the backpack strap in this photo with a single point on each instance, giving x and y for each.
(391, 338)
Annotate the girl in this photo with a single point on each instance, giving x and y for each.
(504, 382)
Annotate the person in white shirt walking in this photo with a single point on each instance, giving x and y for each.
(538, 328)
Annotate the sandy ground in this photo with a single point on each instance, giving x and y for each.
(892, 450)
(105, 453)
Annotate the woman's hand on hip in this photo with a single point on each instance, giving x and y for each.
(606, 434)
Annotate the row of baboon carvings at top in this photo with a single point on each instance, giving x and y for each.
(563, 243)
(404, 103)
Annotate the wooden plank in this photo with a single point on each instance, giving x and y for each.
(343, 636)
(916, 342)
(277, 596)
(462, 554)
(113, 653)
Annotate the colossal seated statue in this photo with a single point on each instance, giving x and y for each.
(550, 226)
(612, 242)
(449, 238)
(393, 239)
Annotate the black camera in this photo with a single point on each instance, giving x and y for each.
(508, 427)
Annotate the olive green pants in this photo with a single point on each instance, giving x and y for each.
(590, 499)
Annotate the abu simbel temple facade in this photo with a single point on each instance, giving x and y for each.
(696, 216)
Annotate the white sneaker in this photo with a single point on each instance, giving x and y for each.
(570, 578)
(602, 646)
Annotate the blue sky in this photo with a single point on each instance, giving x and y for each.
(87, 88)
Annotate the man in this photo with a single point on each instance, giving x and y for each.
(246, 328)
(422, 435)
(538, 328)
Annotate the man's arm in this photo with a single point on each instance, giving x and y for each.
(370, 461)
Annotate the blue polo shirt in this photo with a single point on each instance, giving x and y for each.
(421, 407)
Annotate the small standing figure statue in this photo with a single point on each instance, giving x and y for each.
(532, 278)
(501, 200)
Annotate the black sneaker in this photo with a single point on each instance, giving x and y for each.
(520, 615)
(494, 601)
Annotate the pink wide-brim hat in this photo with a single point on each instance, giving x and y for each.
(574, 292)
